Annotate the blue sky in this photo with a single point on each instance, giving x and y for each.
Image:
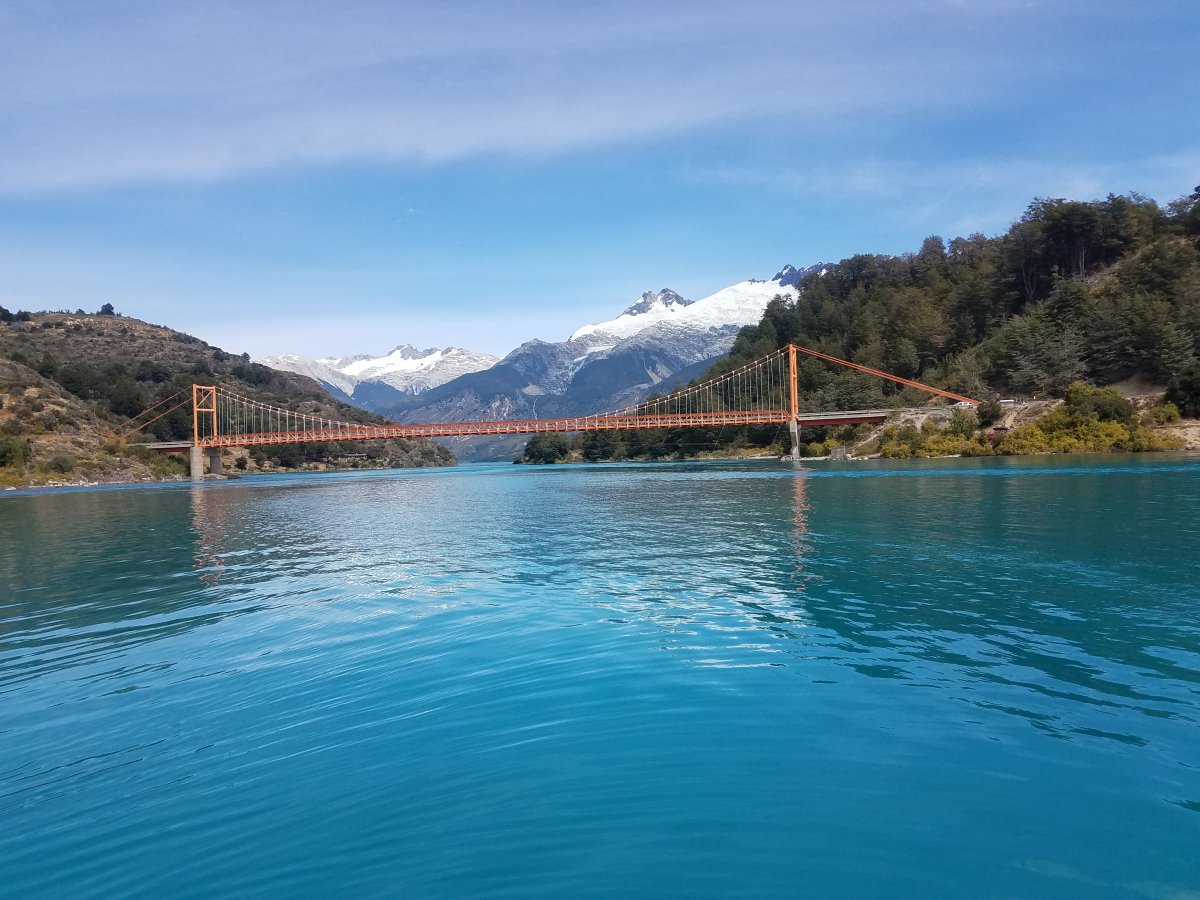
(330, 178)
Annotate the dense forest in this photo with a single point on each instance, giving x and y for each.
(1099, 292)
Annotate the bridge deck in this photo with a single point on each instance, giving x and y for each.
(340, 431)
(169, 446)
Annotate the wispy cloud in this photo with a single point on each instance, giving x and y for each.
(962, 195)
(117, 93)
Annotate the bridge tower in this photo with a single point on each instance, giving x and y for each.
(794, 401)
(204, 403)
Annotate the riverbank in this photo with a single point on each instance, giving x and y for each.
(1087, 420)
(232, 472)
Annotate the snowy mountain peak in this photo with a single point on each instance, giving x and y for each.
(665, 298)
(650, 309)
(405, 358)
(739, 304)
(791, 276)
(406, 368)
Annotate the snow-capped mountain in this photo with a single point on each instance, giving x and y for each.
(661, 337)
(336, 382)
(652, 308)
(406, 369)
(792, 276)
(740, 304)
(605, 365)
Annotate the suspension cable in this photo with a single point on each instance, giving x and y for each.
(156, 418)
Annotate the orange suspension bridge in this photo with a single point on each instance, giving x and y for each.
(763, 392)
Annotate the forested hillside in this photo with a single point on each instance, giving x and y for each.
(1103, 292)
(69, 382)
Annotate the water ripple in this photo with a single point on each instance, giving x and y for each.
(713, 680)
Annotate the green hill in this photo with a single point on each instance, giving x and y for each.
(70, 381)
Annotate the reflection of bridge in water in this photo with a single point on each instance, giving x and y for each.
(763, 392)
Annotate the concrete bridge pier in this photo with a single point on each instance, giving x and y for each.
(196, 461)
(794, 430)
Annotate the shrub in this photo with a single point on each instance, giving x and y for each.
(895, 450)
(988, 413)
(1106, 404)
(1184, 391)
(1161, 415)
(1060, 431)
(963, 423)
(13, 451)
(62, 463)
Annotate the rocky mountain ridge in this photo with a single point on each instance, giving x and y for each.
(405, 370)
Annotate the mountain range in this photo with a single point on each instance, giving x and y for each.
(658, 341)
(406, 370)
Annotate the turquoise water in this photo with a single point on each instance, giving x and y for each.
(932, 679)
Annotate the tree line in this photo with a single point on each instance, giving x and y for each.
(1100, 290)
(1096, 291)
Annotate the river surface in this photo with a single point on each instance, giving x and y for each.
(959, 678)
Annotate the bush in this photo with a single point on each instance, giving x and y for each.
(254, 373)
(13, 451)
(63, 463)
(819, 448)
(949, 443)
(1106, 404)
(1184, 391)
(988, 413)
(1061, 431)
(963, 423)
(288, 456)
(1162, 415)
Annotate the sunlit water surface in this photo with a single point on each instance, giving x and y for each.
(931, 679)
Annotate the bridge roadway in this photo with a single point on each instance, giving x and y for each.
(346, 431)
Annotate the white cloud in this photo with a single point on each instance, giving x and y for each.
(945, 195)
(137, 92)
